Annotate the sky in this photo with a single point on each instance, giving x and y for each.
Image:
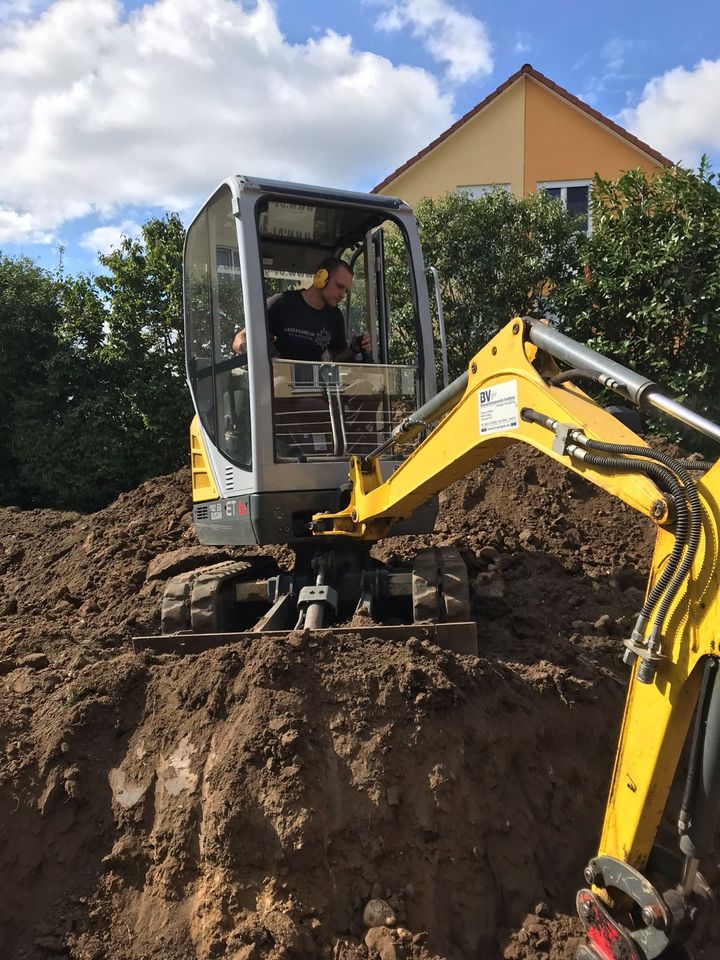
(113, 112)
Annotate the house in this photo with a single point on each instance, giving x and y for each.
(529, 134)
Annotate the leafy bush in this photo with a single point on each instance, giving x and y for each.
(93, 391)
(648, 294)
(497, 256)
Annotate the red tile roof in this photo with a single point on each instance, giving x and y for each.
(528, 71)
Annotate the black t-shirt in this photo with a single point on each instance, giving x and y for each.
(300, 331)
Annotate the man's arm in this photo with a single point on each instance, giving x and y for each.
(274, 314)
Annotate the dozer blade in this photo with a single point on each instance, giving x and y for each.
(457, 637)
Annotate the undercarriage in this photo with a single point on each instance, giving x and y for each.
(333, 586)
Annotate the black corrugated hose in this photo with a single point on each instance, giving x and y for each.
(667, 470)
(669, 482)
(695, 517)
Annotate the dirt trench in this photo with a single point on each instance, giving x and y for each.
(248, 802)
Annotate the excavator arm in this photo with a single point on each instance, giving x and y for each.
(503, 379)
(641, 901)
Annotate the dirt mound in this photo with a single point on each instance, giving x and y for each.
(250, 801)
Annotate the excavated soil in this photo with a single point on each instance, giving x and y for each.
(249, 801)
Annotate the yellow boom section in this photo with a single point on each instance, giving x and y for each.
(657, 715)
(501, 382)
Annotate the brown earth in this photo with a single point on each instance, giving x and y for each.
(248, 802)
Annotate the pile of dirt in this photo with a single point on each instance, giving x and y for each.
(250, 801)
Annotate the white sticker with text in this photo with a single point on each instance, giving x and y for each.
(498, 407)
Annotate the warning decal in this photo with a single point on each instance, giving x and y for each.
(498, 407)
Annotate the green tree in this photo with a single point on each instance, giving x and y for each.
(29, 314)
(75, 454)
(649, 291)
(93, 389)
(143, 291)
(497, 256)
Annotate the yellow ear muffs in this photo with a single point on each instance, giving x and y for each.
(321, 278)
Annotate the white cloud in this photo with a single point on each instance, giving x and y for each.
(100, 110)
(522, 44)
(612, 60)
(613, 54)
(457, 39)
(679, 112)
(16, 227)
(103, 239)
(12, 9)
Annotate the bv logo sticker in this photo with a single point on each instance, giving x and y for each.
(498, 408)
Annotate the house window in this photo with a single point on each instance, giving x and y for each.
(228, 260)
(480, 189)
(575, 197)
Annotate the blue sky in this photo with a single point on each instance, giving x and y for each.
(112, 112)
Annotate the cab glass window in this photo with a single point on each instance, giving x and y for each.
(232, 391)
(327, 410)
(196, 278)
(296, 237)
(214, 312)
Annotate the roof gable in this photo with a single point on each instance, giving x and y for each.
(527, 71)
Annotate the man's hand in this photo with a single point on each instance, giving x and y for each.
(361, 344)
(239, 344)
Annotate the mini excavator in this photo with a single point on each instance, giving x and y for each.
(331, 457)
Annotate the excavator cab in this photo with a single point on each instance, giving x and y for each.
(272, 435)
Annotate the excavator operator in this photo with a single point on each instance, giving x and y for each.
(308, 324)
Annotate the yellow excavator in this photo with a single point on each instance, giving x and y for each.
(332, 457)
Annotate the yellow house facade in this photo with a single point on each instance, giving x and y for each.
(529, 134)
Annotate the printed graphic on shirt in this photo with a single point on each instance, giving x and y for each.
(322, 338)
(300, 331)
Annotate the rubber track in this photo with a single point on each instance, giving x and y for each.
(425, 587)
(455, 588)
(190, 599)
(206, 593)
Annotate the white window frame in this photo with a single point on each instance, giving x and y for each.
(563, 185)
(474, 191)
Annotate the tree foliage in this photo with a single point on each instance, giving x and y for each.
(68, 445)
(648, 293)
(497, 256)
(143, 290)
(94, 396)
(29, 316)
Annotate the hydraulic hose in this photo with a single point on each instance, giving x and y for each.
(696, 464)
(696, 745)
(695, 520)
(574, 373)
(668, 480)
(667, 470)
(701, 804)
